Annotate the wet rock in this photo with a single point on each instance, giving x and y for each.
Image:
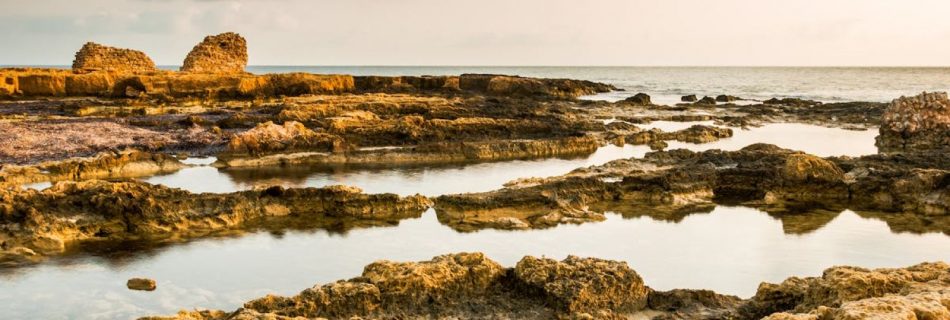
(727, 98)
(916, 124)
(584, 284)
(694, 134)
(223, 53)
(693, 304)
(141, 284)
(689, 98)
(794, 102)
(96, 57)
(640, 99)
(706, 101)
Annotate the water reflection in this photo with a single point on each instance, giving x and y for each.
(426, 180)
(727, 249)
(479, 177)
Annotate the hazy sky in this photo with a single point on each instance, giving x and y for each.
(493, 32)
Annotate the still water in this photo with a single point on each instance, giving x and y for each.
(439, 180)
(730, 250)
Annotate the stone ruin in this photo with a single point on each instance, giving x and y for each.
(97, 57)
(223, 53)
(921, 122)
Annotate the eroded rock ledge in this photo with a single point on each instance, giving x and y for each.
(34, 224)
(469, 285)
(775, 179)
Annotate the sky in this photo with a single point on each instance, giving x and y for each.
(493, 32)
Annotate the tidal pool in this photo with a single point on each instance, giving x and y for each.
(729, 250)
(439, 180)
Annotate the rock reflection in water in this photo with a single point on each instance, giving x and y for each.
(428, 180)
(481, 177)
(712, 248)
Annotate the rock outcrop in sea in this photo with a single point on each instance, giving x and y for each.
(223, 53)
(917, 123)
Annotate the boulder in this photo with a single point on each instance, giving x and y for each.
(223, 53)
(914, 123)
(726, 98)
(141, 284)
(689, 98)
(584, 284)
(803, 168)
(96, 57)
(707, 101)
(640, 99)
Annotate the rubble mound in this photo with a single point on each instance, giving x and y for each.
(223, 53)
(97, 57)
(921, 122)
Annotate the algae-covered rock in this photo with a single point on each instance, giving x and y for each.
(141, 284)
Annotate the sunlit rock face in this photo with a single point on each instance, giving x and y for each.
(223, 53)
(96, 57)
(921, 122)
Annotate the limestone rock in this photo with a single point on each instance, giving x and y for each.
(291, 136)
(96, 57)
(804, 167)
(916, 123)
(223, 53)
(584, 284)
(394, 288)
(142, 284)
(846, 293)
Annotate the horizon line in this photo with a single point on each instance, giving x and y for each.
(528, 66)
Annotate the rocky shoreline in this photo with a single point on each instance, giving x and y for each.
(470, 285)
(91, 131)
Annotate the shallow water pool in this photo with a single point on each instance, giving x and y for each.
(730, 250)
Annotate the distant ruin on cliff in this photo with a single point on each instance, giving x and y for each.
(97, 57)
(223, 53)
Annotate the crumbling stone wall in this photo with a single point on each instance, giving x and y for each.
(223, 53)
(95, 57)
(916, 123)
